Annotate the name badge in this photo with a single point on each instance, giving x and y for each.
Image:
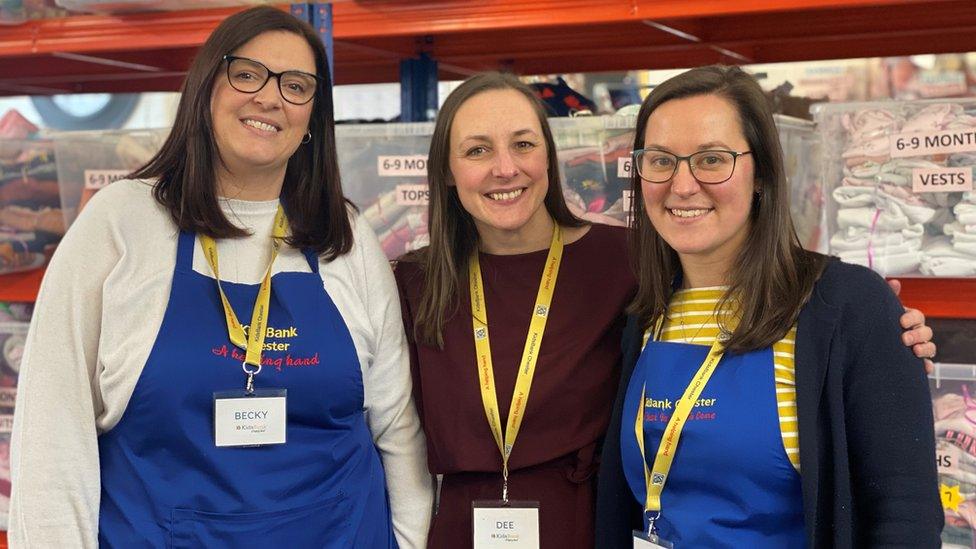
(512, 525)
(643, 540)
(242, 420)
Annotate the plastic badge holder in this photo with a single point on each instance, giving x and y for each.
(384, 172)
(953, 388)
(898, 177)
(31, 220)
(89, 161)
(801, 155)
(14, 322)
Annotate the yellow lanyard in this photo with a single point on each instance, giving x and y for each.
(530, 354)
(657, 475)
(253, 340)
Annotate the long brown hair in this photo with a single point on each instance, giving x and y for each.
(185, 166)
(453, 236)
(773, 276)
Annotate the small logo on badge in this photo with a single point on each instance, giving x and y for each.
(541, 310)
(480, 333)
(657, 479)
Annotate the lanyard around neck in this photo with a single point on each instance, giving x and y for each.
(656, 476)
(252, 340)
(530, 354)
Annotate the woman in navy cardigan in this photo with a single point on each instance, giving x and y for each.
(791, 414)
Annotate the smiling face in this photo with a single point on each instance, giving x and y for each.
(499, 164)
(258, 132)
(705, 224)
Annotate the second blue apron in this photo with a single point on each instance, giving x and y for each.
(731, 484)
(165, 484)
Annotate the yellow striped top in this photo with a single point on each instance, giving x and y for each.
(691, 319)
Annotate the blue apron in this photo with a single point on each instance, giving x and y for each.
(731, 483)
(165, 484)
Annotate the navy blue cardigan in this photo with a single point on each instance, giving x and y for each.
(867, 448)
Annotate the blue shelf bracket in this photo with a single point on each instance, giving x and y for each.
(319, 16)
(418, 89)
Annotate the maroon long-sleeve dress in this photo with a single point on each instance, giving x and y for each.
(554, 460)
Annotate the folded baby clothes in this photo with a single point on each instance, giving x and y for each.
(867, 122)
(884, 217)
(865, 170)
(932, 118)
(941, 258)
(947, 406)
(861, 239)
(884, 264)
(853, 196)
(965, 213)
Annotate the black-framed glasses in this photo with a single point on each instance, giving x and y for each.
(250, 76)
(710, 167)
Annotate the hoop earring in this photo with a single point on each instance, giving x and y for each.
(307, 139)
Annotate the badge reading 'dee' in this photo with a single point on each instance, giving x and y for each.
(503, 527)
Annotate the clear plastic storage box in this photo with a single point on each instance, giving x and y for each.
(31, 219)
(594, 162)
(383, 169)
(953, 388)
(14, 322)
(898, 177)
(88, 161)
(384, 172)
(801, 151)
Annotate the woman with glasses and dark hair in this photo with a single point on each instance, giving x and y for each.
(515, 313)
(766, 398)
(217, 357)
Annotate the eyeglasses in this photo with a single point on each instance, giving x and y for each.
(250, 76)
(709, 167)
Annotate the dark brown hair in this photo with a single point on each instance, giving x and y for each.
(185, 166)
(453, 236)
(773, 276)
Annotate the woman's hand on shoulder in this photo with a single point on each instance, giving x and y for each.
(917, 335)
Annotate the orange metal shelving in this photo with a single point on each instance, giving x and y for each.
(150, 51)
(20, 286)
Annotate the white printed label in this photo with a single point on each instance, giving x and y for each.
(947, 458)
(926, 143)
(641, 543)
(624, 166)
(7, 397)
(506, 527)
(412, 195)
(249, 421)
(99, 179)
(402, 166)
(6, 423)
(940, 180)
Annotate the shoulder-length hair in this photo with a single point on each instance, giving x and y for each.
(453, 236)
(773, 276)
(185, 166)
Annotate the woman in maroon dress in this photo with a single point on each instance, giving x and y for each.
(496, 202)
